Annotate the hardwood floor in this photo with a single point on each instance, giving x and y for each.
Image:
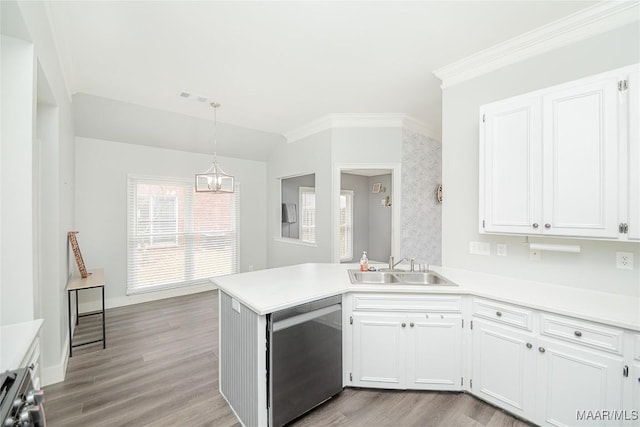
(160, 368)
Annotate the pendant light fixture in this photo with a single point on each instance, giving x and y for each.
(215, 180)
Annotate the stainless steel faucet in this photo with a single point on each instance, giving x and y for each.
(392, 265)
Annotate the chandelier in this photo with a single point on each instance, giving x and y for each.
(215, 180)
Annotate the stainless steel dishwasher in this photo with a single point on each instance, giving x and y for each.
(305, 358)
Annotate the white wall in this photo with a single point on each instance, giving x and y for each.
(51, 163)
(101, 207)
(18, 95)
(594, 268)
(312, 155)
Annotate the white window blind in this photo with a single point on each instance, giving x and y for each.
(177, 237)
(346, 225)
(308, 214)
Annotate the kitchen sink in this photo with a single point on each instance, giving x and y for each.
(399, 277)
(358, 276)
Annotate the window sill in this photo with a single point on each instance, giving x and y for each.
(295, 242)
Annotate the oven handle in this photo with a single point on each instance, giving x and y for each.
(305, 317)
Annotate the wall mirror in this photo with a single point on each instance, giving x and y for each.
(365, 214)
(298, 204)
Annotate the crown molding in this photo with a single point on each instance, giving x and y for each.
(363, 120)
(597, 19)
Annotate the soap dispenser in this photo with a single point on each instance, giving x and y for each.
(364, 262)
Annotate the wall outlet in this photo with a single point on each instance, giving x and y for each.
(624, 260)
(501, 249)
(534, 255)
(480, 248)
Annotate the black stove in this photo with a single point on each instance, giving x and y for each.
(20, 404)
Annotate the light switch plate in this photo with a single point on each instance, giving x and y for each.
(501, 249)
(480, 248)
(624, 260)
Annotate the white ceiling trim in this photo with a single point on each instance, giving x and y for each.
(362, 120)
(594, 20)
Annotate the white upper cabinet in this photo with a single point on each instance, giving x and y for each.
(550, 160)
(580, 144)
(632, 223)
(511, 166)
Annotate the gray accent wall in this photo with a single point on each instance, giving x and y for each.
(379, 220)
(421, 211)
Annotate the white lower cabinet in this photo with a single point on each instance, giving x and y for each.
(434, 356)
(550, 369)
(406, 350)
(504, 367)
(576, 385)
(554, 371)
(378, 350)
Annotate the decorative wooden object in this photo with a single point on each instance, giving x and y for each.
(76, 252)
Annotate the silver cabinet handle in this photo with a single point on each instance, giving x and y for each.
(404, 324)
(577, 333)
(547, 225)
(529, 345)
(541, 349)
(411, 324)
(499, 313)
(535, 225)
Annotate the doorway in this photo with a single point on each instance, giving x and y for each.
(366, 215)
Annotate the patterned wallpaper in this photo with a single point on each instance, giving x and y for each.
(421, 212)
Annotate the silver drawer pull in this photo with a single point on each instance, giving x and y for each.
(541, 349)
(547, 225)
(529, 345)
(535, 225)
(411, 324)
(577, 333)
(499, 313)
(404, 324)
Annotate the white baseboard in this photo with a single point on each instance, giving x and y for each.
(56, 373)
(121, 301)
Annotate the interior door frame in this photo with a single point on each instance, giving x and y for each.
(396, 220)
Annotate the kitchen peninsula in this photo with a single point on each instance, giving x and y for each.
(539, 322)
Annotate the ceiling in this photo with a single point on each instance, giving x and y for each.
(275, 66)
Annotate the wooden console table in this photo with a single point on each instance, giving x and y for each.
(75, 284)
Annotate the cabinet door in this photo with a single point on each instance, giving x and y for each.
(634, 156)
(378, 350)
(434, 353)
(580, 148)
(504, 368)
(575, 385)
(510, 166)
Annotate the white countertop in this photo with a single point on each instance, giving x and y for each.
(270, 290)
(16, 340)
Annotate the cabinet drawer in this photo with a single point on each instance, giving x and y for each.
(503, 313)
(582, 332)
(395, 302)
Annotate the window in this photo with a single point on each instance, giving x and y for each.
(308, 214)
(177, 237)
(346, 225)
